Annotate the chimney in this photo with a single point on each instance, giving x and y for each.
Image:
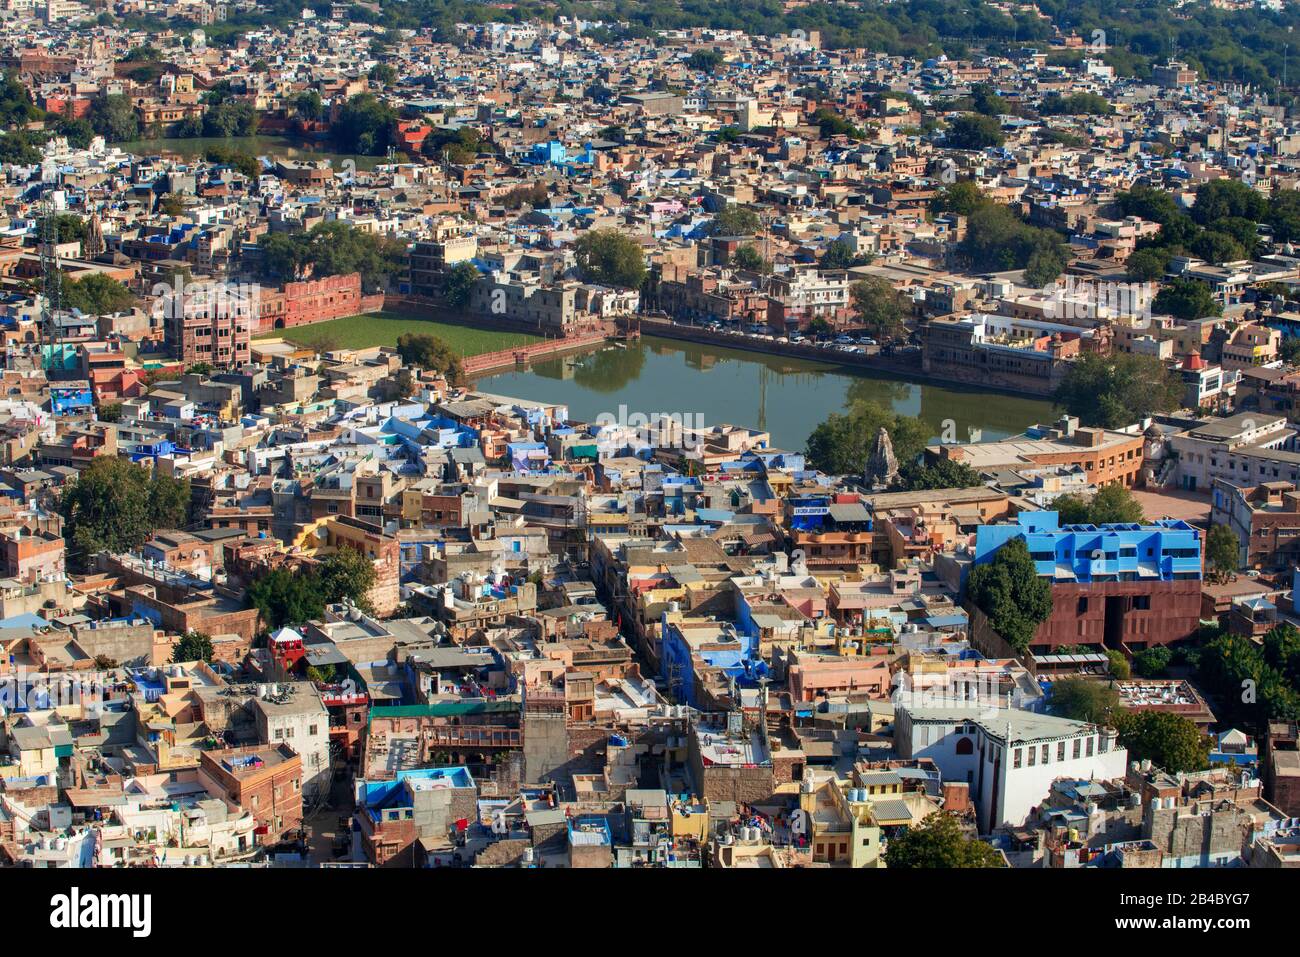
(956, 796)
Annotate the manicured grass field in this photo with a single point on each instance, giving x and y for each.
(383, 328)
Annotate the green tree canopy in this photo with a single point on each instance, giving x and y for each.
(611, 258)
(1171, 741)
(880, 308)
(113, 117)
(1187, 299)
(938, 842)
(1222, 550)
(1119, 390)
(1009, 590)
(429, 352)
(365, 125)
(193, 646)
(331, 248)
(943, 473)
(735, 220)
(1084, 699)
(1111, 505)
(459, 283)
(97, 295)
(971, 131)
(842, 443)
(1152, 662)
(114, 505)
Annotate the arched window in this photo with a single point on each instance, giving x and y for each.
(965, 746)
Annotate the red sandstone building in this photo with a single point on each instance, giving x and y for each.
(215, 329)
(314, 300)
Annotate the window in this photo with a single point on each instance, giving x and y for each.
(279, 734)
(1083, 606)
(1078, 746)
(1045, 753)
(1089, 747)
(1141, 602)
(1060, 750)
(311, 730)
(1015, 758)
(1033, 756)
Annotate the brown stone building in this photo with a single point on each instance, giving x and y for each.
(263, 781)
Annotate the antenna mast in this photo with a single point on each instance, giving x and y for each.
(51, 333)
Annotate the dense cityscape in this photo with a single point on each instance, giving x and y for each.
(650, 435)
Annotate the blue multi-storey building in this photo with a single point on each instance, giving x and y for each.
(1124, 586)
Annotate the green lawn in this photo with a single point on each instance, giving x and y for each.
(383, 328)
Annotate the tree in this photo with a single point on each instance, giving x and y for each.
(97, 294)
(113, 117)
(1147, 265)
(429, 352)
(1230, 665)
(105, 663)
(838, 255)
(1118, 390)
(1170, 741)
(611, 258)
(938, 842)
(1222, 551)
(970, 131)
(307, 106)
(704, 61)
(1220, 198)
(1111, 505)
(943, 473)
(69, 228)
(1089, 104)
(748, 257)
(331, 248)
(1009, 590)
(1152, 662)
(735, 220)
(459, 283)
(193, 646)
(173, 204)
(1290, 350)
(365, 125)
(384, 74)
(285, 598)
(346, 574)
(114, 505)
(962, 198)
(998, 239)
(110, 412)
(1187, 299)
(1084, 699)
(1119, 666)
(880, 308)
(842, 443)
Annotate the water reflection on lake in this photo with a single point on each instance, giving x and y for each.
(786, 397)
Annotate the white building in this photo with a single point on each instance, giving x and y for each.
(1009, 757)
(292, 713)
(1246, 448)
